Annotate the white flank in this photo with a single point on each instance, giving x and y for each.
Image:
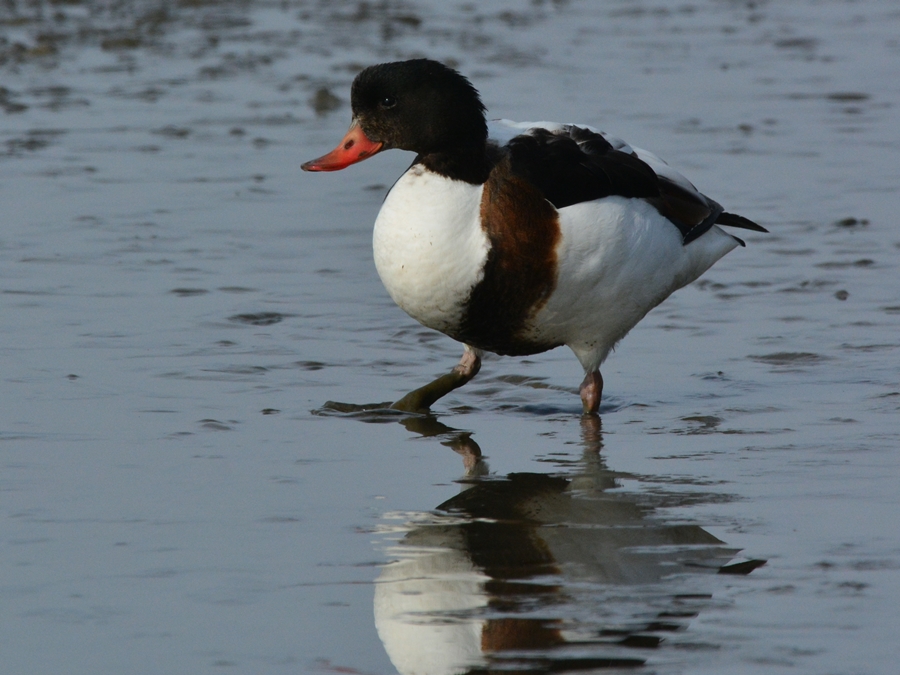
(618, 259)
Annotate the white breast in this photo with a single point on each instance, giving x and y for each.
(429, 246)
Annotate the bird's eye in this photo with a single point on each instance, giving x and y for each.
(387, 102)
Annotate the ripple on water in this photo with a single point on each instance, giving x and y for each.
(151, 151)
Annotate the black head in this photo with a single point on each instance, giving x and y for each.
(419, 105)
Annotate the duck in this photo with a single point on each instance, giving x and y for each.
(519, 237)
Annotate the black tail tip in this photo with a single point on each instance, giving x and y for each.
(734, 220)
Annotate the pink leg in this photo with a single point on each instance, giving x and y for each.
(469, 364)
(591, 390)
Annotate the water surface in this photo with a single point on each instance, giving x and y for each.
(179, 302)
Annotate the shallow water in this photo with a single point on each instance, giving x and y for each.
(179, 302)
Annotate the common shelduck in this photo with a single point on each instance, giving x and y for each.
(516, 238)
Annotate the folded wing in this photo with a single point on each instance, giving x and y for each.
(573, 164)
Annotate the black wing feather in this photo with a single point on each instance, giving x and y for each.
(561, 169)
(575, 165)
(734, 220)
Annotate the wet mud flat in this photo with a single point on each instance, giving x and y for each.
(179, 302)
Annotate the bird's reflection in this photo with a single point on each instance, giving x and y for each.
(539, 573)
